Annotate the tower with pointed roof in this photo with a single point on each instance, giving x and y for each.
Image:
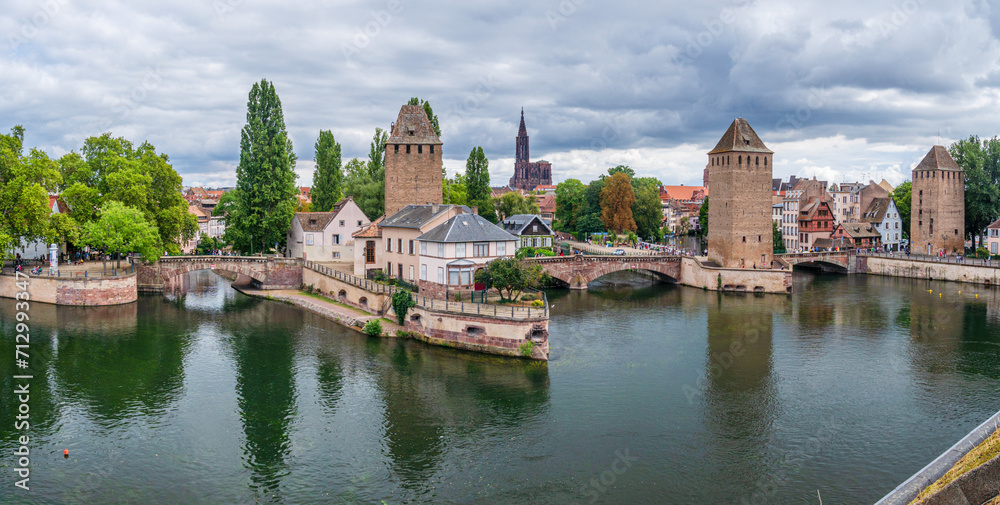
(739, 212)
(412, 161)
(937, 212)
(528, 175)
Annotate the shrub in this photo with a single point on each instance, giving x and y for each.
(537, 303)
(982, 252)
(526, 348)
(401, 303)
(373, 328)
(529, 297)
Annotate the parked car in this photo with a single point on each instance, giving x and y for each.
(619, 252)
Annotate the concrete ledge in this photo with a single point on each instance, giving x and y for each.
(974, 488)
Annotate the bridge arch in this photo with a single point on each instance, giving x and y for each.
(579, 271)
(266, 272)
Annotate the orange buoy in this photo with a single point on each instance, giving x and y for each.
(65, 453)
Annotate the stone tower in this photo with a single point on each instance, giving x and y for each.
(739, 210)
(528, 175)
(937, 212)
(412, 161)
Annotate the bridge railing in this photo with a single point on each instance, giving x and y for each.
(367, 285)
(955, 260)
(607, 258)
(486, 309)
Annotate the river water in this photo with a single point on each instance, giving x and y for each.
(654, 394)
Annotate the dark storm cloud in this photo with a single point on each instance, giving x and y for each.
(863, 88)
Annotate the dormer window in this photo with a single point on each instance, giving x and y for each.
(312, 221)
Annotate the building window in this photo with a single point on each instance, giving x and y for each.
(359, 223)
(388, 245)
(547, 242)
(336, 254)
(423, 248)
(370, 252)
(440, 275)
(501, 248)
(534, 228)
(400, 271)
(411, 272)
(336, 240)
(309, 239)
(397, 148)
(407, 149)
(411, 248)
(420, 149)
(460, 250)
(399, 245)
(423, 272)
(341, 223)
(481, 249)
(440, 250)
(432, 149)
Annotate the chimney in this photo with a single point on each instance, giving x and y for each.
(475, 209)
(434, 208)
(459, 210)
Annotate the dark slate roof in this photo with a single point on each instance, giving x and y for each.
(740, 137)
(994, 226)
(938, 158)
(876, 210)
(518, 222)
(467, 228)
(415, 216)
(412, 127)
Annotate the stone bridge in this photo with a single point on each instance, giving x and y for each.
(832, 261)
(266, 272)
(579, 270)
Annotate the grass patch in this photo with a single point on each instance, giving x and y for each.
(989, 449)
(335, 302)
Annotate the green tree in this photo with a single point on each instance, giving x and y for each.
(623, 169)
(122, 229)
(513, 203)
(430, 113)
(328, 176)
(510, 277)
(647, 210)
(402, 302)
(570, 203)
(902, 196)
(477, 175)
(454, 190)
(779, 244)
(617, 198)
(366, 181)
(207, 245)
(225, 204)
(265, 177)
(980, 159)
(24, 200)
(703, 219)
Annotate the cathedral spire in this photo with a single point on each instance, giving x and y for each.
(521, 154)
(522, 131)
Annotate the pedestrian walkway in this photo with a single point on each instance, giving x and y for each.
(347, 316)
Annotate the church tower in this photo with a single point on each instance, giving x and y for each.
(739, 210)
(527, 175)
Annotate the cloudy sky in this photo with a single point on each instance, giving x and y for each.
(850, 90)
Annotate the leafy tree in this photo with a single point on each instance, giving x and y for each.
(647, 210)
(208, 245)
(224, 206)
(981, 161)
(477, 175)
(430, 113)
(617, 198)
(570, 203)
(62, 228)
(328, 176)
(367, 189)
(122, 229)
(623, 169)
(302, 206)
(509, 276)
(265, 177)
(26, 181)
(703, 219)
(513, 203)
(454, 190)
(589, 220)
(902, 196)
(779, 244)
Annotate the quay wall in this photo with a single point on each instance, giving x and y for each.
(480, 333)
(78, 291)
(696, 274)
(345, 292)
(931, 270)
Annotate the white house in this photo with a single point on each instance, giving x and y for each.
(451, 253)
(882, 213)
(326, 236)
(993, 237)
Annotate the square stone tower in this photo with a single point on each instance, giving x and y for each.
(937, 211)
(739, 210)
(412, 161)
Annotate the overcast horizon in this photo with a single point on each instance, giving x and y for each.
(858, 92)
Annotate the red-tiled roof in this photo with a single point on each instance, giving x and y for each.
(371, 231)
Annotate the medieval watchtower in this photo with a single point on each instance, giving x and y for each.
(937, 213)
(412, 161)
(739, 212)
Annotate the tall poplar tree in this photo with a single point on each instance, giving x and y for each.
(265, 179)
(328, 176)
(477, 184)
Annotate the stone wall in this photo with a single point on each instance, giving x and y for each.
(487, 335)
(78, 291)
(933, 270)
(344, 292)
(696, 274)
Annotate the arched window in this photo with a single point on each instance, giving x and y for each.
(765, 161)
(739, 161)
(744, 239)
(757, 161)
